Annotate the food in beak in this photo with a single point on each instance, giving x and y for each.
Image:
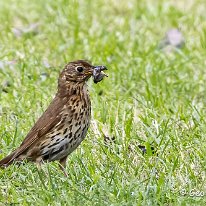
(98, 73)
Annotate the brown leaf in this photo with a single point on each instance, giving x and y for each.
(109, 140)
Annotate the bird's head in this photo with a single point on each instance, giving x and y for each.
(81, 71)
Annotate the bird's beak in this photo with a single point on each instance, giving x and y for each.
(98, 73)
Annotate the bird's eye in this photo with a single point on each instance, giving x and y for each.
(79, 69)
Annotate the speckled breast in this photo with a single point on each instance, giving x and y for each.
(69, 132)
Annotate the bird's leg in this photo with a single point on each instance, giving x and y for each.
(62, 165)
(39, 163)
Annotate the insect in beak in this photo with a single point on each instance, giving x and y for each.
(98, 73)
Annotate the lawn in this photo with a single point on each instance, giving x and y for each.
(155, 96)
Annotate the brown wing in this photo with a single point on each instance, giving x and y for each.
(44, 124)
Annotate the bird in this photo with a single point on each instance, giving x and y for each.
(64, 124)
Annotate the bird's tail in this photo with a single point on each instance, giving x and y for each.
(6, 161)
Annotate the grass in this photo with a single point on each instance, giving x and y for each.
(152, 97)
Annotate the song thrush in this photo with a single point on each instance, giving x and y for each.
(63, 126)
